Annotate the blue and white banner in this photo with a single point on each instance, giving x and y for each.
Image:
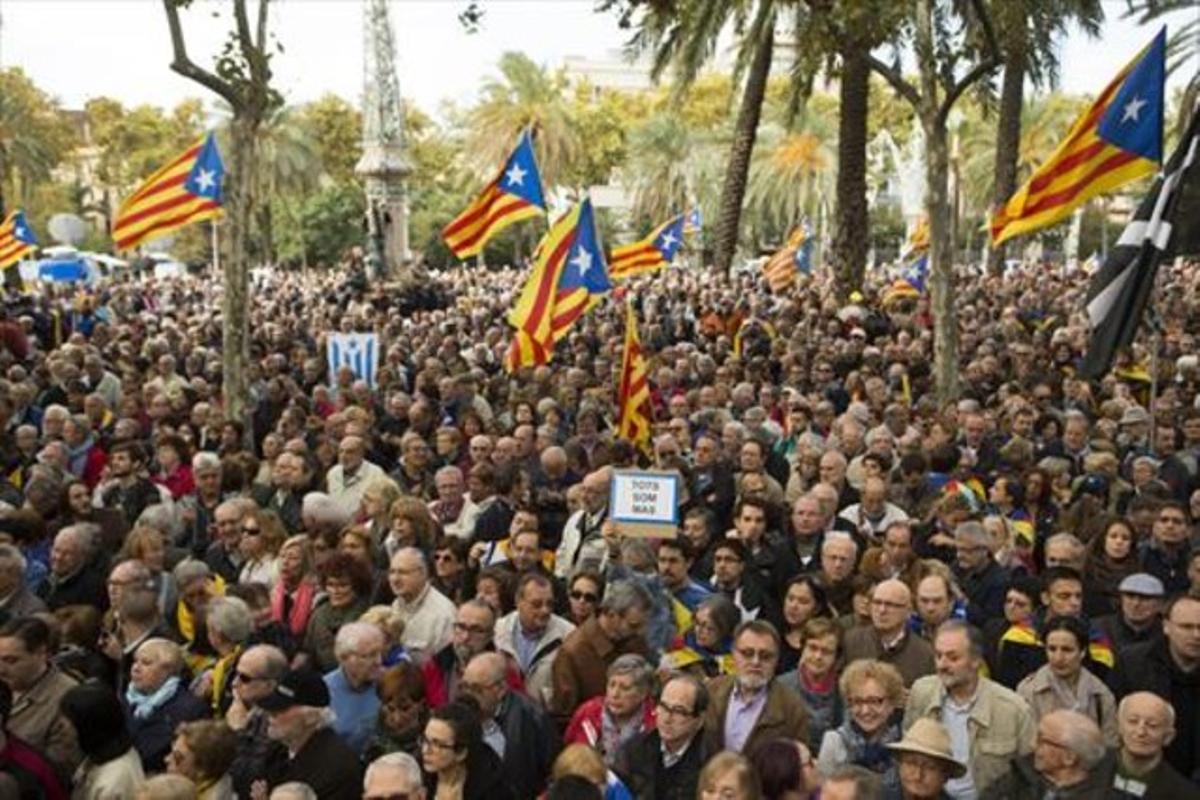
(358, 351)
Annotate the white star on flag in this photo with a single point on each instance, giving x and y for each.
(19, 232)
(582, 260)
(205, 180)
(1132, 109)
(668, 239)
(516, 176)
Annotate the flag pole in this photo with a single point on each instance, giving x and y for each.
(216, 247)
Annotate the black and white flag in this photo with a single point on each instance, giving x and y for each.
(1165, 224)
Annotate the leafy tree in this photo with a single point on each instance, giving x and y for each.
(34, 136)
(791, 176)
(335, 127)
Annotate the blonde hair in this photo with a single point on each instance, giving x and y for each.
(387, 620)
(724, 763)
(581, 760)
(868, 669)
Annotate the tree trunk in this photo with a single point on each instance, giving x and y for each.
(941, 267)
(1008, 135)
(738, 169)
(849, 242)
(235, 304)
(266, 232)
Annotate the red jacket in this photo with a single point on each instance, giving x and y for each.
(587, 722)
(438, 670)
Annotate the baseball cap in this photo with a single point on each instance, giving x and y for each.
(301, 687)
(1142, 583)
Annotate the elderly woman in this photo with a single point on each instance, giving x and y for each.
(229, 624)
(874, 694)
(815, 678)
(375, 511)
(347, 585)
(202, 752)
(146, 545)
(157, 700)
(403, 712)
(704, 650)
(624, 710)
(1063, 683)
(262, 534)
(295, 592)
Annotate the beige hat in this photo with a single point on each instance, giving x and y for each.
(929, 738)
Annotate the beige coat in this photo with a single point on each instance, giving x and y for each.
(35, 718)
(539, 683)
(1001, 725)
(117, 779)
(1098, 702)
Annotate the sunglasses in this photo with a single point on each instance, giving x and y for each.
(585, 596)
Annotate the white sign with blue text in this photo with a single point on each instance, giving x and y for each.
(645, 503)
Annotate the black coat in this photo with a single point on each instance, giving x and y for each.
(325, 763)
(85, 588)
(985, 591)
(152, 736)
(486, 778)
(640, 765)
(1149, 668)
(530, 744)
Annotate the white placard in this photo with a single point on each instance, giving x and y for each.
(645, 502)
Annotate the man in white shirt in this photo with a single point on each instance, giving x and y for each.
(427, 613)
(350, 477)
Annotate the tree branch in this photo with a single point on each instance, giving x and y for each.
(242, 20)
(261, 44)
(903, 87)
(183, 65)
(994, 59)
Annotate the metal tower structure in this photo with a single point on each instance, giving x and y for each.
(384, 166)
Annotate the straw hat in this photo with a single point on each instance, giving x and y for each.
(928, 737)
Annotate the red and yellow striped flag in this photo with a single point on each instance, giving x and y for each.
(633, 390)
(186, 190)
(1117, 140)
(16, 239)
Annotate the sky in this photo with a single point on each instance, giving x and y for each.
(76, 49)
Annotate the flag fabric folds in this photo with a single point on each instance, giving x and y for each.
(513, 195)
(692, 222)
(1165, 222)
(633, 390)
(795, 256)
(1117, 140)
(569, 277)
(358, 351)
(16, 239)
(911, 283)
(186, 190)
(655, 251)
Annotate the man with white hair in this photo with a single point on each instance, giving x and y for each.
(1146, 724)
(428, 614)
(1068, 761)
(16, 600)
(350, 477)
(224, 556)
(320, 513)
(359, 649)
(198, 510)
(984, 582)
(73, 579)
(453, 508)
(393, 775)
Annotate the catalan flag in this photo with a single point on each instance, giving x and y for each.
(186, 190)
(16, 239)
(569, 277)
(513, 195)
(795, 256)
(633, 390)
(655, 251)
(1117, 140)
(692, 222)
(911, 283)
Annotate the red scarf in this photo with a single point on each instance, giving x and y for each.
(302, 605)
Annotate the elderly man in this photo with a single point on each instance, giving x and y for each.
(38, 688)
(839, 555)
(1147, 725)
(665, 763)
(299, 718)
(984, 582)
(989, 725)
(474, 632)
(1170, 668)
(290, 479)
(532, 634)
(1139, 618)
(580, 668)
(199, 510)
(582, 544)
(453, 509)
(887, 638)
(392, 776)
(74, 579)
(428, 614)
(926, 761)
(750, 707)
(1068, 762)
(223, 555)
(520, 732)
(872, 516)
(349, 478)
(626, 709)
(258, 672)
(359, 649)
(15, 598)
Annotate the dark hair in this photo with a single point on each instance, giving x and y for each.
(505, 580)
(462, 716)
(574, 787)
(1027, 586)
(214, 746)
(1052, 575)
(6, 701)
(349, 568)
(254, 593)
(34, 633)
(132, 449)
(734, 545)
(750, 501)
(913, 462)
(681, 545)
(1071, 625)
(778, 765)
(99, 721)
(820, 597)
(699, 689)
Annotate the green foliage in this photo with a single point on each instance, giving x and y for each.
(335, 127)
(34, 136)
(329, 222)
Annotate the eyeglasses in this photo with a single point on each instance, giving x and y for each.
(242, 677)
(585, 596)
(878, 603)
(247, 530)
(424, 741)
(674, 711)
(440, 557)
(867, 702)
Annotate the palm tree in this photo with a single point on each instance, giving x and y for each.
(791, 177)
(1028, 33)
(684, 35)
(25, 149)
(289, 165)
(524, 95)
(670, 164)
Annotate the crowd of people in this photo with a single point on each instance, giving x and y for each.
(413, 588)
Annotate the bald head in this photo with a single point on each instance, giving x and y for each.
(891, 604)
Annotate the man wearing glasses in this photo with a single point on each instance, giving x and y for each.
(749, 707)
(665, 763)
(258, 673)
(1069, 760)
(474, 626)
